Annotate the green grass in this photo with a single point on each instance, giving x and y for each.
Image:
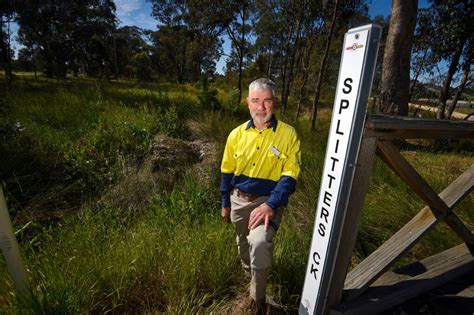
(74, 138)
(175, 257)
(172, 255)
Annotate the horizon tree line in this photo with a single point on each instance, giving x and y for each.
(288, 41)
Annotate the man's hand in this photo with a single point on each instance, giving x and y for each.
(261, 213)
(225, 214)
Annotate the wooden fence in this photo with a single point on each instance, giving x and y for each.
(370, 287)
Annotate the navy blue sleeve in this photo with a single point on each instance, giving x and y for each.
(226, 189)
(280, 194)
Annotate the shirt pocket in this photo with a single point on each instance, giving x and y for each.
(240, 161)
(277, 158)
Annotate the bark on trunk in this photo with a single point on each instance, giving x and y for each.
(289, 81)
(242, 52)
(305, 78)
(395, 85)
(444, 92)
(465, 77)
(417, 74)
(317, 92)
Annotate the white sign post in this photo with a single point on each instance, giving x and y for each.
(359, 55)
(9, 247)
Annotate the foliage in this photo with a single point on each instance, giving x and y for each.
(111, 260)
(72, 34)
(173, 255)
(65, 143)
(231, 101)
(207, 96)
(181, 54)
(172, 124)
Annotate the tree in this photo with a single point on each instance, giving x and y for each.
(69, 34)
(213, 18)
(128, 41)
(452, 30)
(6, 53)
(395, 84)
(182, 54)
(317, 90)
(467, 76)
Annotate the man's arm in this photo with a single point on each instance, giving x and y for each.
(285, 186)
(227, 173)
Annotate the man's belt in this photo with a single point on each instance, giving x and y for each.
(245, 196)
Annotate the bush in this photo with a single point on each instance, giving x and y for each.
(231, 102)
(172, 123)
(207, 97)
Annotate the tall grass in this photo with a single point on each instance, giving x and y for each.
(63, 143)
(174, 255)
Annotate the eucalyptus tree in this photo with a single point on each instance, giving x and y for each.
(343, 14)
(453, 32)
(214, 18)
(181, 54)
(466, 80)
(395, 84)
(7, 15)
(69, 34)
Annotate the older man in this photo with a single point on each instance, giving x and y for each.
(260, 166)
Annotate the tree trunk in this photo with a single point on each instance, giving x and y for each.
(444, 92)
(305, 77)
(317, 91)
(6, 48)
(289, 81)
(269, 67)
(395, 84)
(465, 77)
(242, 51)
(417, 74)
(285, 69)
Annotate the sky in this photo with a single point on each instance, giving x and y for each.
(138, 13)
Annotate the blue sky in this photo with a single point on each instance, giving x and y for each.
(138, 12)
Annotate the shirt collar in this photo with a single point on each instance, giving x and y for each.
(273, 124)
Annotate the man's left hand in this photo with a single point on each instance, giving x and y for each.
(261, 213)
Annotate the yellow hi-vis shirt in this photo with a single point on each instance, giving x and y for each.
(263, 163)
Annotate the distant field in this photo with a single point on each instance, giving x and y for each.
(96, 238)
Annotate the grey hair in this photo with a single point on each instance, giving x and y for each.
(263, 84)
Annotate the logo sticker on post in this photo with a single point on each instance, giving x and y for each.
(356, 72)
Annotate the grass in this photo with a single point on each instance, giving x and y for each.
(69, 144)
(74, 138)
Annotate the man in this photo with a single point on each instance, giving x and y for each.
(260, 166)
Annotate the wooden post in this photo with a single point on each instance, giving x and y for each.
(351, 221)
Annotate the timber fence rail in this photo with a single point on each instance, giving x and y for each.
(370, 287)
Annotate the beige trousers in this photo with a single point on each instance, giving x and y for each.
(255, 246)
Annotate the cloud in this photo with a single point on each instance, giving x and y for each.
(127, 7)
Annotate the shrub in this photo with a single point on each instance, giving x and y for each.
(231, 102)
(172, 123)
(207, 97)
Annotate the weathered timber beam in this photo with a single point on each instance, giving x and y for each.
(390, 127)
(393, 158)
(401, 242)
(355, 206)
(389, 291)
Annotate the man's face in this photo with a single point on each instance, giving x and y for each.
(261, 104)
